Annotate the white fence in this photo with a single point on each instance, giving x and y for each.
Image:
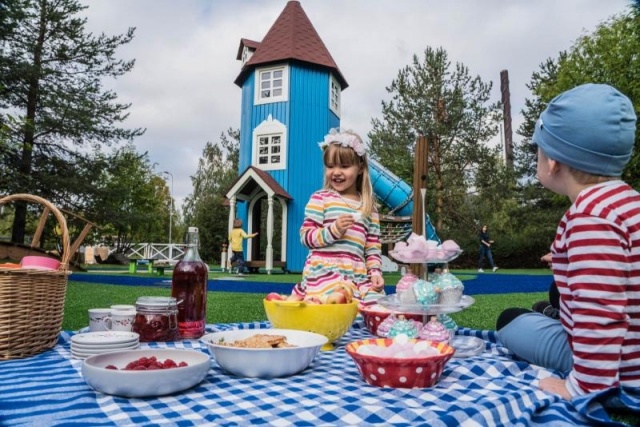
(160, 251)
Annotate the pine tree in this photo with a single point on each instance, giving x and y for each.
(53, 109)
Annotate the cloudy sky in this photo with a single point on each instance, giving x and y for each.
(182, 89)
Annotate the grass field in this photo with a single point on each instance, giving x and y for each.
(230, 307)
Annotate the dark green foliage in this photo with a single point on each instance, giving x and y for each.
(53, 109)
(205, 207)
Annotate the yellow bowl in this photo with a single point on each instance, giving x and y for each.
(330, 320)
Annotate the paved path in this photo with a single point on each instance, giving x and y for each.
(486, 283)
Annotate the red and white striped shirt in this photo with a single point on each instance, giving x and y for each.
(596, 265)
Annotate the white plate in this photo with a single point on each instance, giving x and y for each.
(105, 337)
(85, 351)
(79, 346)
(145, 383)
(467, 346)
(85, 355)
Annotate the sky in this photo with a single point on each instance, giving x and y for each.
(182, 87)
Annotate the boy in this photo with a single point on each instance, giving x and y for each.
(585, 138)
(236, 237)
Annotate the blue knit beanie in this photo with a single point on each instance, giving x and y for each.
(591, 128)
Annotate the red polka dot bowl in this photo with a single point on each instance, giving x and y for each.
(374, 315)
(395, 372)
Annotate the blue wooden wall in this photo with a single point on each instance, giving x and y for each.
(308, 118)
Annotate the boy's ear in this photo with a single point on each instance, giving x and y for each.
(554, 166)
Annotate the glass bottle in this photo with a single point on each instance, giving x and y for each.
(189, 288)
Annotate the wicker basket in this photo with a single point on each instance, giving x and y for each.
(32, 301)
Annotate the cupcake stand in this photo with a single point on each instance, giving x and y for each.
(465, 346)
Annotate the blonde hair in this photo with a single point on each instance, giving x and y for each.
(237, 223)
(340, 155)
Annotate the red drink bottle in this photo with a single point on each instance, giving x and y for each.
(189, 288)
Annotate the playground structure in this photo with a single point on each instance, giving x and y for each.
(291, 92)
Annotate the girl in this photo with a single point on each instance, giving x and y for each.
(341, 226)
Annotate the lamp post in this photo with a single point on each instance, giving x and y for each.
(170, 217)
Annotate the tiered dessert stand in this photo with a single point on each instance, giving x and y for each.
(465, 346)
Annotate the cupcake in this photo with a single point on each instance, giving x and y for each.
(451, 289)
(434, 331)
(385, 326)
(426, 292)
(406, 282)
(403, 326)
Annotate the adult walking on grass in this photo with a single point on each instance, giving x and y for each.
(485, 249)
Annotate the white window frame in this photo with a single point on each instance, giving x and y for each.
(260, 72)
(247, 53)
(335, 95)
(269, 129)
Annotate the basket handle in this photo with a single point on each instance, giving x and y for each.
(66, 252)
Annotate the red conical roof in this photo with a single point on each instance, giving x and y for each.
(292, 37)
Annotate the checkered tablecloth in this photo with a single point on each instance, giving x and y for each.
(487, 390)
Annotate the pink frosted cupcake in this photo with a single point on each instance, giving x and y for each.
(406, 282)
(434, 331)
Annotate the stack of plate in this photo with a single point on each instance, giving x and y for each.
(90, 343)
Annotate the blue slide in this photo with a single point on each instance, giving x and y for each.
(396, 194)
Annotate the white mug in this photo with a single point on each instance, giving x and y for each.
(96, 319)
(121, 318)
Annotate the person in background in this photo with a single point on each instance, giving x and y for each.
(485, 249)
(341, 227)
(585, 138)
(236, 237)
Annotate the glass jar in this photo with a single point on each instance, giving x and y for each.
(156, 319)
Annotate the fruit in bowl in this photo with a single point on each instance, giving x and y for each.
(400, 363)
(330, 320)
(112, 373)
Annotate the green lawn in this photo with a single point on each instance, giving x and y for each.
(225, 307)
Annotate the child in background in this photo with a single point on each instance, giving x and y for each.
(236, 238)
(341, 226)
(585, 138)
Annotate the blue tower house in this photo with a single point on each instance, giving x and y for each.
(291, 92)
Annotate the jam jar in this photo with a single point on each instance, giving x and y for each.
(156, 319)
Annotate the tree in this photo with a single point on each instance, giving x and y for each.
(217, 168)
(133, 201)
(452, 110)
(52, 105)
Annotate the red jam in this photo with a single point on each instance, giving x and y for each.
(156, 319)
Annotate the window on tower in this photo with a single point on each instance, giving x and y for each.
(272, 84)
(269, 145)
(334, 96)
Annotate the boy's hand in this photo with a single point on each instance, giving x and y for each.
(555, 386)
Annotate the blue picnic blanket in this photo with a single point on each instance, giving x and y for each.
(486, 390)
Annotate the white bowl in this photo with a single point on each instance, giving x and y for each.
(145, 383)
(264, 362)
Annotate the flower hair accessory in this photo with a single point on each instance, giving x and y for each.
(345, 139)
